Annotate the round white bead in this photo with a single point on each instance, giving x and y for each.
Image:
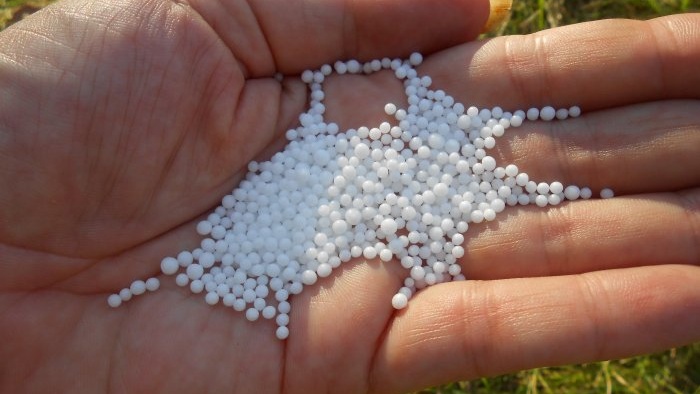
(284, 307)
(542, 188)
(547, 113)
(522, 179)
(252, 314)
(512, 170)
(324, 270)
(196, 286)
(586, 193)
(553, 199)
(169, 266)
(204, 227)
(533, 114)
(415, 59)
(385, 255)
(572, 192)
(137, 287)
(516, 121)
(399, 301)
(556, 187)
(282, 332)
(269, 312)
(388, 226)
(182, 279)
(282, 319)
(369, 252)
(195, 271)
(606, 193)
(309, 277)
(239, 305)
(152, 284)
(114, 300)
(185, 258)
(211, 298)
(125, 294)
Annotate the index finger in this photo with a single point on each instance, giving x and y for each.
(466, 330)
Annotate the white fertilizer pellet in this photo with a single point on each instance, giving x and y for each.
(606, 193)
(406, 191)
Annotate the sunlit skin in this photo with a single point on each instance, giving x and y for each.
(122, 123)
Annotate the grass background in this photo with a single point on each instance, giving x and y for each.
(529, 16)
(676, 371)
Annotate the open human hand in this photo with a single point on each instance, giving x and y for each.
(122, 123)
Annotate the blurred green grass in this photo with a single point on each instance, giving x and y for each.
(676, 371)
(529, 16)
(12, 11)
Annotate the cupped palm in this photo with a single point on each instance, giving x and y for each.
(124, 123)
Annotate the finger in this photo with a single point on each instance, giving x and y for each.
(289, 36)
(594, 65)
(649, 147)
(585, 236)
(337, 324)
(465, 330)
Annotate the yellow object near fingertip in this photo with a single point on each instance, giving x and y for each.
(499, 13)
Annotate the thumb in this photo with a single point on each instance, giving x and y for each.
(288, 36)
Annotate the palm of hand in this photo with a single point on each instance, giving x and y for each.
(154, 129)
(158, 119)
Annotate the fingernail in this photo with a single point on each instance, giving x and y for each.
(500, 11)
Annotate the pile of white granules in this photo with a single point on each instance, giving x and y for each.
(406, 191)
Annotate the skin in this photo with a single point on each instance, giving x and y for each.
(122, 123)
